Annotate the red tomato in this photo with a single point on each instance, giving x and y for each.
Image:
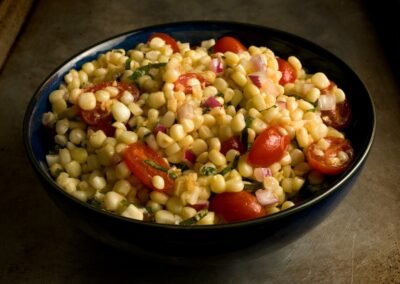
(182, 83)
(136, 155)
(119, 85)
(100, 118)
(233, 143)
(338, 118)
(329, 162)
(236, 206)
(228, 43)
(287, 70)
(168, 40)
(268, 148)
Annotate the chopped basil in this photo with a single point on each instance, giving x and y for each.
(144, 70)
(300, 98)
(95, 203)
(231, 166)
(311, 110)
(55, 149)
(58, 172)
(196, 218)
(128, 64)
(181, 166)
(208, 171)
(160, 168)
(219, 95)
(249, 121)
(253, 186)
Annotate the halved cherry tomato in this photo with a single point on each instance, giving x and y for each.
(329, 161)
(233, 143)
(101, 118)
(168, 40)
(338, 118)
(182, 83)
(228, 43)
(236, 206)
(139, 157)
(269, 147)
(287, 70)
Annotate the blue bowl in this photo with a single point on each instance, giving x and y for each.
(216, 243)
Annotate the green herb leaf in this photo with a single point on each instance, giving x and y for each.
(300, 98)
(181, 166)
(144, 70)
(161, 168)
(231, 166)
(219, 95)
(196, 218)
(253, 186)
(208, 171)
(128, 64)
(249, 120)
(156, 166)
(95, 203)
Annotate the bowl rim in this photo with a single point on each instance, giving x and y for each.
(305, 43)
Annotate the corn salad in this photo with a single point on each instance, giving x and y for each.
(200, 110)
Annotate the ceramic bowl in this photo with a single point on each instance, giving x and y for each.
(216, 243)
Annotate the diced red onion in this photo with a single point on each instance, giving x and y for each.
(186, 111)
(159, 128)
(261, 173)
(327, 102)
(216, 65)
(200, 205)
(258, 78)
(266, 197)
(258, 63)
(211, 102)
(189, 157)
(281, 104)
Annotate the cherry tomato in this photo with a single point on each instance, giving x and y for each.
(268, 148)
(329, 161)
(228, 43)
(168, 40)
(101, 118)
(338, 118)
(287, 70)
(182, 83)
(233, 143)
(143, 162)
(236, 206)
(119, 85)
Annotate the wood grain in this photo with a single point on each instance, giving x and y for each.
(12, 16)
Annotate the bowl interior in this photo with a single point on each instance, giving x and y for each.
(313, 58)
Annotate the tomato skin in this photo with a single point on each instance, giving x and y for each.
(181, 84)
(268, 148)
(168, 40)
(228, 43)
(321, 164)
(287, 70)
(135, 156)
(100, 118)
(236, 206)
(233, 143)
(339, 118)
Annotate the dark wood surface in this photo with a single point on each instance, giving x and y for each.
(358, 243)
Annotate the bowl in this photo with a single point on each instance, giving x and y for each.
(215, 243)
